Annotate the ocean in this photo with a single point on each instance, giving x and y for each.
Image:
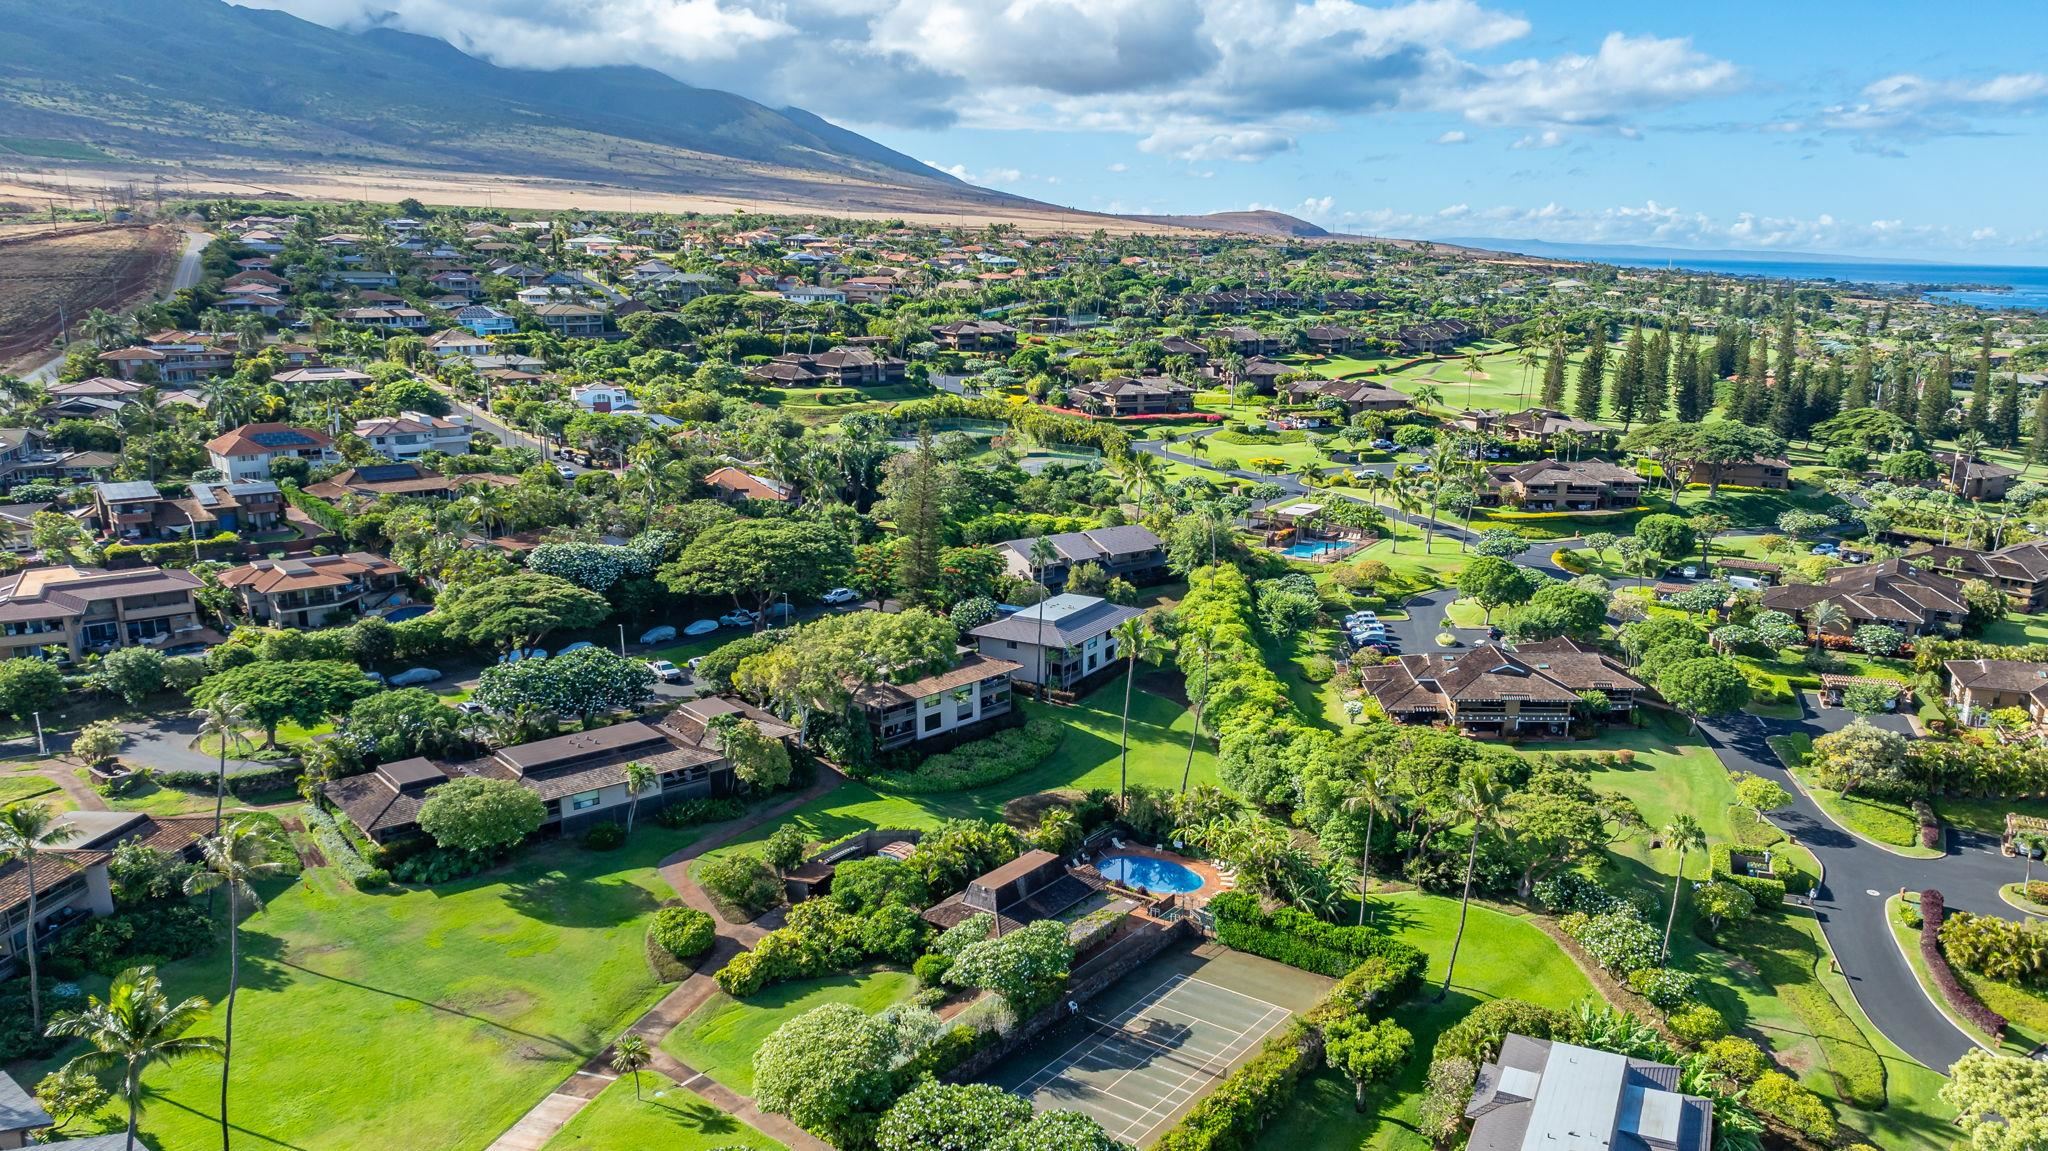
(2014, 287)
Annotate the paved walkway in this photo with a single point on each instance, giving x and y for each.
(1859, 876)
(539, 1125)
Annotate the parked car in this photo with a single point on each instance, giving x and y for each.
(665, 671)
(471, 707)
(528, 653)
(565, 471)
(1690, 571)
(579, 645)
(738, 617)
(1384, 445)
(702, 627)
(1823, 550)
(839, 595)
(1362, 617)
(661, 634)
(376, 677)
(414, 676)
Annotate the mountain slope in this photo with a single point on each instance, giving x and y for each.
(1258, 222)
(201, 79)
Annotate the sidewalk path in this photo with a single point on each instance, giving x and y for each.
(546, 1119)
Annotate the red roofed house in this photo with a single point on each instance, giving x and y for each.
(247, 452)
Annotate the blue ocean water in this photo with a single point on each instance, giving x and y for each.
(2013, 286)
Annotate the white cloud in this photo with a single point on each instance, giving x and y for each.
(1548, 138)
(1119, 166)
(1913, 106)
(1194, 79)
(985, 177)
(1452, 137)
(1666, 225)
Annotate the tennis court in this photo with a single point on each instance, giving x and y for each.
(1133, 1072)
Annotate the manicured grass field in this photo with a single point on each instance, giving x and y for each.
(1881, 821)
(720, 1037)
(17, 788)
(1987, 815)
(2026, 1013)
(1672, 774)
(1465, 613)
(417, 1018)
(2017, 631)
(1086, 758)
(1503, 957)
(664, 1116)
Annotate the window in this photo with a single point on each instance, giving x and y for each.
(932, 721)
(583, 801)
(1010, 644)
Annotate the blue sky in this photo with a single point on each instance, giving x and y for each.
(1874, 129)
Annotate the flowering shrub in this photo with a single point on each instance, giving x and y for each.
(1932, 914)
(1619, 940)
(684, 932)
(1662, 986)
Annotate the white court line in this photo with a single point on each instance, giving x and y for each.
(1065, 1062)
(1264, 1027)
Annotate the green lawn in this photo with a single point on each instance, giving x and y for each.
(663, 1116)
(156, 799)
(1672, 774)
(416, 1018)
(16, 788)
(1880, 821)
(1465, 613)
(2017, 631)
(2025, 1011)
(1987, 815)
(1086, 758)
(689, 649)
(720, 1037)
(1502, 957)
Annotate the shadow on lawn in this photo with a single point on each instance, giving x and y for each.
(556, 898)
(151, 1096)
(699, 1116)
(567, 1046)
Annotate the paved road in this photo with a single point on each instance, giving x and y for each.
(1858, 878)
(186, 276)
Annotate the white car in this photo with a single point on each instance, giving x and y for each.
(701, 627)
(839, 595)
(738, 617)
(665, 671)
(565, 471)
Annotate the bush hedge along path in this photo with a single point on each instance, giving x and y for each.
(1857, 878)
(539, 1125)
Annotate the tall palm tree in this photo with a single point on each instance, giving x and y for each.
(1478, 801)
(224, 720)
(1474, 368)
(1685, 834)
(1374, 794)
(1428, 396)
(234, 859)
(629, 1055)
(639, 778)
(1043, 553)
(1134, 639)
(1201, 643)
(1528, 357)
(133, 1026)
(26, 830)
(1824, 615)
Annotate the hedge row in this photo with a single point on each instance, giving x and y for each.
(340, 852)
(1768, 893)
(1240, 691)
(1299, 939)
(177, 551)
(980, 762)
(239, 783)
(1231, 1117)
(1932, 910)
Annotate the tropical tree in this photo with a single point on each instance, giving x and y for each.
(1479, 799)
(1685, 834)
(1428, 396)
(639, 778)
(1373, 794)
(1043, 553)
(233, 859)
(629, 1055)
(1823, 616)
(26, 831)
(1134, 639)
(135, 1025)
(223, 721)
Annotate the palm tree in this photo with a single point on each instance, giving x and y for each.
(629, 1055)
(234, 859)
(223, 720)
(1685, 834)
(1528, 357)
(1824, 615)
(134, 1025)
(26, 830)
(1478, 801)
(1133, 638)
(1043, 553)
(1374, 794)
(1428, 396)
(639, 777)
(1201, 643)
(1474, 368)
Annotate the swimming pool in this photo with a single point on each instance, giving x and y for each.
(409, 611)
(1309, 551)
(1157, 876)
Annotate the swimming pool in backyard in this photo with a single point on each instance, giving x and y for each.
(1309, 551)
(1156, 876)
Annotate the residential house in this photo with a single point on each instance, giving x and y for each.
(571, 320)
(247, 452)
(315, 591)
(458, 282)
(1892, 592)
(410, 435)
(214, 506)
(1548, 1095)
(1551, 485)
(868, 289)
(602, 398)
(973, 690)
(1353, 396)
(126, 510)
(17, 524)
(1538, 426)
(524, 275)
(458, 342)
(1978, 687)
(314, 375)
(85, 609)
(734, 484)
(485, 320)
(1436, 337)
(1249, 341)
(372, 482)
(73, 887)
(581, 777)
(1131, 396)
(2018, 570)
(172, 357)
(1974, 479)
(1057, 642)
(1334, 339)
(1492, 690)
(1195, 350)
(1760, 471)
(813, 294)
(853, 367)
(20, 1115)
(975, 335)
(400, 319)
(1130, 551)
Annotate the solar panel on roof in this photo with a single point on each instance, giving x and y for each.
(383, 473)
(281, 439)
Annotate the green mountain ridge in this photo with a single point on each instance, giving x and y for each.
(202, 79)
